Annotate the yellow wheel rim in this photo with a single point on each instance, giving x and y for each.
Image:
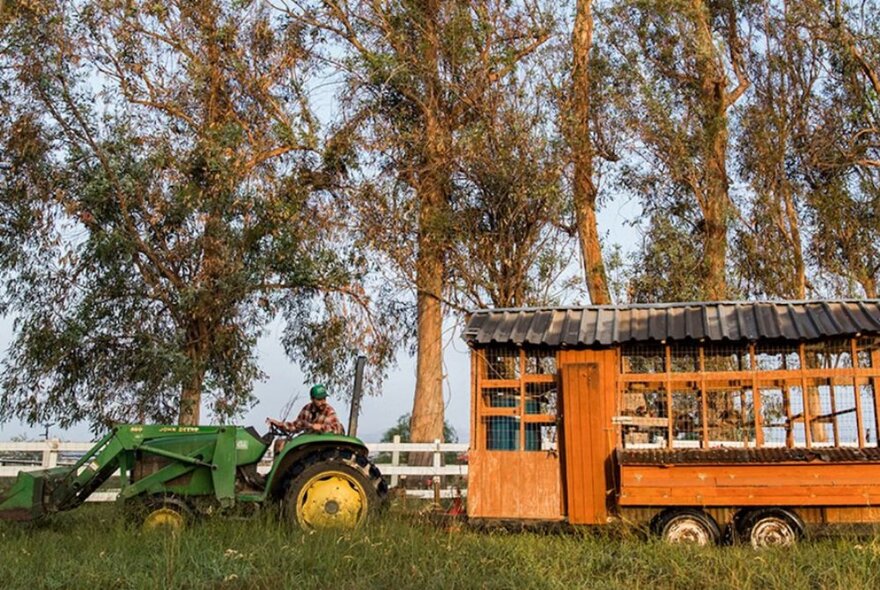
(331, 499)
(166, 519)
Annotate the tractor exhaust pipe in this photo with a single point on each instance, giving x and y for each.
(356, 395)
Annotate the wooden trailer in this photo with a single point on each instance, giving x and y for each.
(758, 418)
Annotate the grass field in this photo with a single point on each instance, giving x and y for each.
(93, 547)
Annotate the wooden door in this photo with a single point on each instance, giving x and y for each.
(588, 434)
(513, 464)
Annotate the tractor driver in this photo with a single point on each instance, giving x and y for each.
(316, 416)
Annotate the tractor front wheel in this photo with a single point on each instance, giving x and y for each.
(166, 514)
(335, 489)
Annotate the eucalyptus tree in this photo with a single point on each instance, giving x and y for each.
(578, 117)
(843, 152)
(772, 148)
(166, 199)
(684, 66)
(509, 246)
(415, 73)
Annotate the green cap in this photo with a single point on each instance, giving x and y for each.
(318, 392)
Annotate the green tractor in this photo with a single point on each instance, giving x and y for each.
(169, 474)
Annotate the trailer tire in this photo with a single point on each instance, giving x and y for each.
(335, 488)
(689, 526)
(769, 527)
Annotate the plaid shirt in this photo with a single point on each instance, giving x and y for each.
(313, 418)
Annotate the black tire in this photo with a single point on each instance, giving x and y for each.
(335, 488)
(689, 526)
(769, 527)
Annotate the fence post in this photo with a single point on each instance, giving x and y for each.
(436, 472)
(50, 453)
(395, 461)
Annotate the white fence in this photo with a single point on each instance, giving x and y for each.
(31, 456)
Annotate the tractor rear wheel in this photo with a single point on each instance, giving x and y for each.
(333, 489)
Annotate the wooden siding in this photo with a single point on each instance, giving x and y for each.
(833, 484)
(588, 400)
(514, 484)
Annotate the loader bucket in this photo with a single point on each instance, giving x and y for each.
(24, 500)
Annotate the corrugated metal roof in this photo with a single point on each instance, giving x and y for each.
(730, 455)
(718, 321)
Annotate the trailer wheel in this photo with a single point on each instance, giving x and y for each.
(167, 514)
(770, 527)
(688, 526)
(333, 489)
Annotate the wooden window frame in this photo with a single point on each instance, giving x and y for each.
(481, 410)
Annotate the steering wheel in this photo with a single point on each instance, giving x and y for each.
(274, 430)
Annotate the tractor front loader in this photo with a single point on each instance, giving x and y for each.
(169, 474)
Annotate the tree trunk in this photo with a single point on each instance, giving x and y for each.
(715, 249)
(426, 424)
(191, 392)
(869, 284)
(715, 202)
(190, 402)
(582, 147)
(794, 236)
(427, 415)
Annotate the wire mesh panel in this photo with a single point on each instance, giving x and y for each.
(540, 362)
(832, 407)
(729, 357)
(730, 417)
(776, 357)
(687, 414)
(541, 398)
(501, 397)
(822, 414)
(828, 354)
(529, 389)
(869, 412)
(645, 411)
(544, 437)
(501, 362)
(540, 436)
(819, 393)
(684, 358)
(643, 358)
(777, 410)
(843, 407)
(502, 433)
(867, 347)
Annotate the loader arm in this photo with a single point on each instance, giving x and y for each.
(36, 493)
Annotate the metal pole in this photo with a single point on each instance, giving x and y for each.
(356, 395)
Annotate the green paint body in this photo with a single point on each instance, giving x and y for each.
(212, 465)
